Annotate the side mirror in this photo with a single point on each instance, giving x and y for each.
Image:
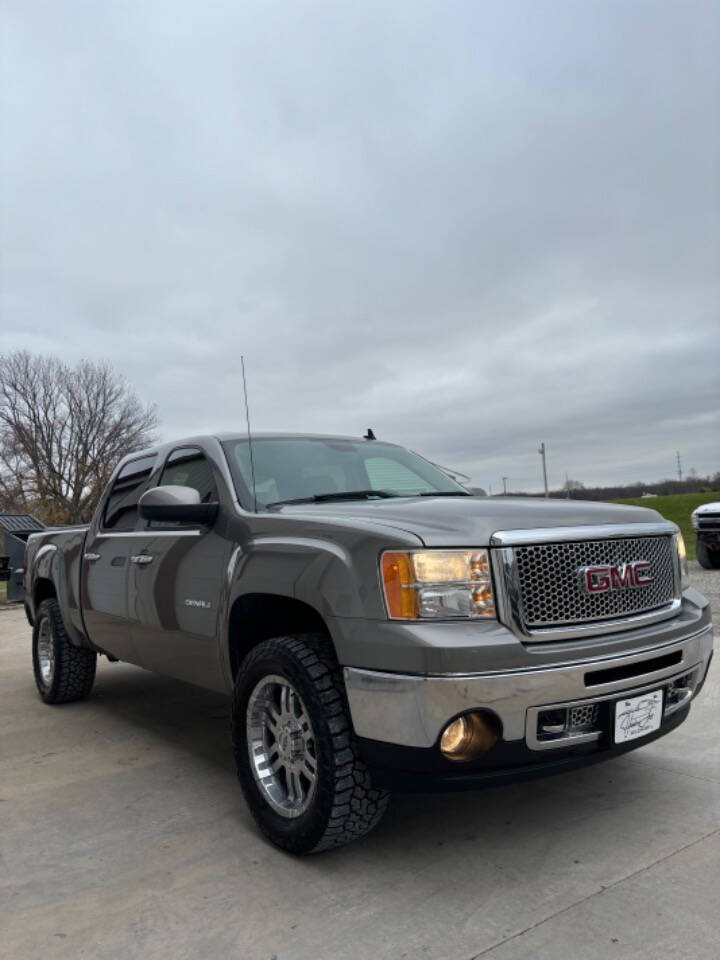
(173, 504)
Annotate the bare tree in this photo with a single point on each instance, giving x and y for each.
(62, 430)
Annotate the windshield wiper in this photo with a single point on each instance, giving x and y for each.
(339, 495)
(446, 493)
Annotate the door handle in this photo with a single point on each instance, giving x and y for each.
(142, 558)
(91, 557)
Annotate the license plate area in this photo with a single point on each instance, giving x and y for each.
(636, 717)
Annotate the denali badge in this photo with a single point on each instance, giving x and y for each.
(603, 578)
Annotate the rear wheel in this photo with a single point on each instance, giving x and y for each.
(295, 751)
(63, 672)
(707, 558)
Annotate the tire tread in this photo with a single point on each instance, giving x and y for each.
(355, 806)
(74, 666)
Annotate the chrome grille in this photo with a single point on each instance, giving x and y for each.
(708, 521)
(551, 592)
(584, 716)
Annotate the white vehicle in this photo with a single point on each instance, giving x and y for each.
(706, 524)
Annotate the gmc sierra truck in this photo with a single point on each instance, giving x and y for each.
(377, 626)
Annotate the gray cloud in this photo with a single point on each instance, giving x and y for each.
(470, 226)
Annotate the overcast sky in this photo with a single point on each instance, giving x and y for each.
(471, 226)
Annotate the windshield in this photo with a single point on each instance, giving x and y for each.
(304, 468)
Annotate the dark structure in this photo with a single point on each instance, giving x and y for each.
(15, 528)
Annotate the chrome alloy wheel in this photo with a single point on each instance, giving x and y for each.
(281, 744)
(46, 652)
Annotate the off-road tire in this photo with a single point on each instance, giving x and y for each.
(707, 558)
(345, 805)
(74, 667)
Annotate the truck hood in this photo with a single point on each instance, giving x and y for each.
(471, 521)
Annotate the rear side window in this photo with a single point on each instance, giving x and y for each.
(121, 511)
(189, 467)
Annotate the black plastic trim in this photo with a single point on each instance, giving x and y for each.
(415, 769)
(612, 674)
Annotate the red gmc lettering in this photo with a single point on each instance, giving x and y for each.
(600, 579)
(642, 577)
(597, 579)
(622, 576)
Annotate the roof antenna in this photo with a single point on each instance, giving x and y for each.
(247, 417)
(369, 435)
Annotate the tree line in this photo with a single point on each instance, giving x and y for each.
(575, 490)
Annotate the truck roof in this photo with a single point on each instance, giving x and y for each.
(224, 437)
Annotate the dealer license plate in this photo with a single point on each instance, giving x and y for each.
(638, 716)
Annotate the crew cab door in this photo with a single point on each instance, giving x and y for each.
(104, 563)
(176, 577)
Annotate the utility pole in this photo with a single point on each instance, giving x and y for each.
(541, 451)
(504, 480)
(679, 466)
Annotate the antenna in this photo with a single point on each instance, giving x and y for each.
(247, 417)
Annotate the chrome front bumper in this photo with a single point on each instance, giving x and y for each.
(413, 710)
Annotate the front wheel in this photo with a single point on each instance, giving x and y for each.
(707, 558)
(63, 672)
(295, 752)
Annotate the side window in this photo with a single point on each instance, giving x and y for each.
(121, 511)
(189, 467)
(386, 474)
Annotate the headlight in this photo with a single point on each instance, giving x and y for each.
(437, 584)
(695, 520)
(682, 560)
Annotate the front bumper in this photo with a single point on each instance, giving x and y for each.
(411, 711)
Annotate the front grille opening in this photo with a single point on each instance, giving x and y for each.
(550, 586)
(612, 674)
(679, 691)
(564, 722)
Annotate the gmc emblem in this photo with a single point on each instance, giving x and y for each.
(603, 578)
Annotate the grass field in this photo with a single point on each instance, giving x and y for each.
(678, 507)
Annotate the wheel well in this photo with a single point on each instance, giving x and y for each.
(44, 590)
(258, 616)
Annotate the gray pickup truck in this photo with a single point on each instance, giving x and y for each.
(377, 627)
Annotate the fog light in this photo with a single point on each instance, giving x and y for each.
(468, 737)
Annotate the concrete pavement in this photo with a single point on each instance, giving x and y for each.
(123, 834)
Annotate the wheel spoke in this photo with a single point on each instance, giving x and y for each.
(292, 703)
(297, 786)
(272, 721)
(289, 785)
